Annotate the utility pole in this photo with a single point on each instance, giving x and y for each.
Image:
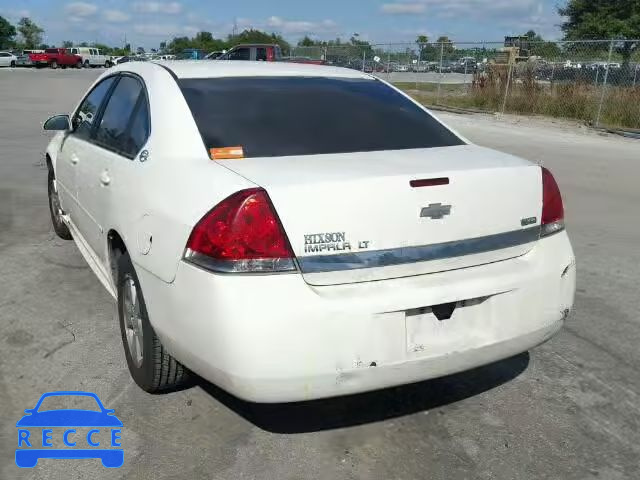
(604, 85)
(440, 71)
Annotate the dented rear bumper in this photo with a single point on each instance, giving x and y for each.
(275, 338)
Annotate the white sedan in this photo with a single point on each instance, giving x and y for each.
(7, 59)
(293, 231)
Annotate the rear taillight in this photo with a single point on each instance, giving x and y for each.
(241, 234)
(552, 208)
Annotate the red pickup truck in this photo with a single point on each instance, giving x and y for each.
(54, 58)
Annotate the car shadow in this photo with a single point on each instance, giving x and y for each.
(370, 407)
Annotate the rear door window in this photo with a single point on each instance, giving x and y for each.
(261, 54)
(113, 132)
(282, 116)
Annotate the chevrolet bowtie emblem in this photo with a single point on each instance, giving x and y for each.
(435, 211)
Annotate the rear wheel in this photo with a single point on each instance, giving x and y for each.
(150, 365)
(107, 64)
(86, 64)
(61, 228)
(54, 64)
(13, 64)
(79, 64)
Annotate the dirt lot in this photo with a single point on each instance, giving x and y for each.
(569, 409)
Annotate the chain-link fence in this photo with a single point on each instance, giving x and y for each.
(594, 81)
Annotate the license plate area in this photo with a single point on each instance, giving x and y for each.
(469, 326)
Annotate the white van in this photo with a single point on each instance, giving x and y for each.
(92, 57)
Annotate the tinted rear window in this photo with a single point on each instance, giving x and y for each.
(280, 116)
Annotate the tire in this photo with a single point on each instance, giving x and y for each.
(86, 64)
(79, 64)
(13, 64)
(107, 64)
(152, 368)
(61, 228)
(53, 65)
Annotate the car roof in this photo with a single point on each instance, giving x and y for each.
(239, 68)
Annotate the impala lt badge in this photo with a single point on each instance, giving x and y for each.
(435, 211)
(326, 242)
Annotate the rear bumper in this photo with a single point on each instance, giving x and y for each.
(275, 338)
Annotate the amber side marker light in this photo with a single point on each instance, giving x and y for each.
(226, 153)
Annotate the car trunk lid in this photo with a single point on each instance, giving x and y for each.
(356, 217)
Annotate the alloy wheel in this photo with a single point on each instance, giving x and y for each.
(132, 320)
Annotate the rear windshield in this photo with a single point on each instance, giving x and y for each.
(281, 116)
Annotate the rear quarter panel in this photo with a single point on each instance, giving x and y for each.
(155, 203)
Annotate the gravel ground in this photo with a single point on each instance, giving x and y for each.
(567, 410)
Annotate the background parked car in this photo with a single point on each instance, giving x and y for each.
(447, 67)
(465, 65)
(51, 57)
(23, 58)
(163, 57)
(8, 59)
(192, 54)
(255, 52)
(129, 58)
(399, 67)
(420, 67)
(92, 57)
(214, 55)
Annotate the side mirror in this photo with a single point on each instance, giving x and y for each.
(58, 122)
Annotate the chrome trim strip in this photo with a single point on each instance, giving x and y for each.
(425, 253)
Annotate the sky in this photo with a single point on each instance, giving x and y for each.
(147, 23)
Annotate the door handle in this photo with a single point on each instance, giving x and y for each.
(74, 159)
(105, 179)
